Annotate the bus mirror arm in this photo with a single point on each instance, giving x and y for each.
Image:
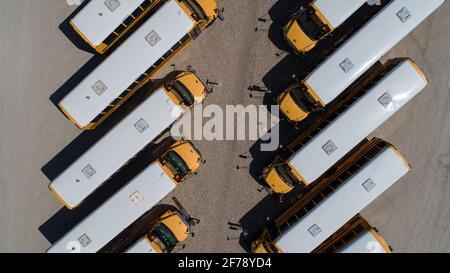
(295, 14)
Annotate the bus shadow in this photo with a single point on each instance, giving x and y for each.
(262, 214)
(64, 220)
(72, 35)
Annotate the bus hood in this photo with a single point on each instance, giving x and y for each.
(290, 109)
(297, 38)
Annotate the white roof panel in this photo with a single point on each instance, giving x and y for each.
(348, 200)
(97, 20)
(338, 11)
(368, 45)
(364, 243)
(113, 150)
(127, 63)
(118, 212)
(141, 246)
(364, 116)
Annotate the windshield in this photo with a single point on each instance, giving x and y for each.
(183, 93)
(284, 172)
(311, 24)
(303, 99)
(177, 163)
(166, 237)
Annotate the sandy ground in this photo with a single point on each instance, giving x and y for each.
(36, 59)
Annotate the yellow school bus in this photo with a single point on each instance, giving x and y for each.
(133, 200)
(345, 125)
(354, 57)
(127, 138)
(323, 209)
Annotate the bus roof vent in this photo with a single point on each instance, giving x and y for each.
(403, 14)
(99, 88)
(141, 125)
(314, 230)
(112, 5)
(84, 240)
(136, 197)
(369, 185)
(385, 99)
(88, 171)
(329, 147)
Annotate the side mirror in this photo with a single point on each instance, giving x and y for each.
(220, 14)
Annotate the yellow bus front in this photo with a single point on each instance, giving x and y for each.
(306, 28)
(298, 101)
(181, 161)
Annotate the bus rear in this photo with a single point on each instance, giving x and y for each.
(131, 202)
(399, 84)
(140, 57)
(317, 21)
(354, 57)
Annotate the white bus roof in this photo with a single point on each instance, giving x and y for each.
(364, 116)
(368, 45)
(338, 11)
(114, 149)
(141, 246)
(118, 212)
(98, 19)
(348, 200)
(127, 63)
(364, 243)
